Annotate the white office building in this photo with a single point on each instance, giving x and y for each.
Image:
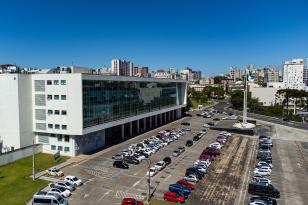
(293, 73)
(77, 113)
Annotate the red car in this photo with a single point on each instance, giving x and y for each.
(174, 197)
(212, 149)
(220, 140)
(186, 184)
(131, 201)
(205, 156)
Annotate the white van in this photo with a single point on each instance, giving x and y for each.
(42, 198)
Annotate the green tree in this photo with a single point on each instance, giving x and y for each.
(237, 99)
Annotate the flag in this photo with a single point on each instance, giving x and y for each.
(249, 75)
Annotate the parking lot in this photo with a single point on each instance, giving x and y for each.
(225, 183)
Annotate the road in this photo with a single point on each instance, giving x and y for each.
(226, 107)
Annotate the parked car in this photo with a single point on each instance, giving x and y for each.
(186, 184)
(262, 180)
(160, 165)
(76, 181)
(65, 184)
(262, 172)
(185, 123)
(174, 197)
(131, 201)
(176, 153)
(189, 143)
(265, 199)
(191, 178)
(167, 160)
(55, 172)
(263, 190)
(152, 171)
(120, 164)
(181, 149)
(178, 188)
(62, 190)
(131, 160)
(52, 198)
(117, 157)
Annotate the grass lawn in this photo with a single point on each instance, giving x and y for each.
(16, 187)
(159, 202)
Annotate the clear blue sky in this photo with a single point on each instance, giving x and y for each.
(209, 35)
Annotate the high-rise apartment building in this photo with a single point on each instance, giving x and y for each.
(122, 67)
(271, 75)
(293, 74)
(305, 76)
(236, 74)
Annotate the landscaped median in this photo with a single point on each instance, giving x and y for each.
(16, 185)
(159, 202)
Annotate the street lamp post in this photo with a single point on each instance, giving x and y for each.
(149, 180)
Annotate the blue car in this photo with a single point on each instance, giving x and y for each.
(178, 188)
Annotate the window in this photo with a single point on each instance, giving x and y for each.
(63, 82)
(60, 137)
(56, 97)
(57, 112)
(66, 138)
(49, 82)
(66, 149)
(53, 147)
(52, 135)
(56, 82)
(49, 97)
(63, 97)
(39, 85)
(57, 126)
(50, 126)
(49, 112)
(63, 112)
(60, 148)
(64, 127)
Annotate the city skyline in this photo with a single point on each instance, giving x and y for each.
(203, 35)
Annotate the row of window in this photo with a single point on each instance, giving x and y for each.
(56, 97)
(56, 82)
(57, 126)
(56, 112)
(60, 148)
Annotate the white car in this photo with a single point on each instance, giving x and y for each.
(54, 172)
(262, 180)
(176, 153)
(264, 168)
(225, 133)
(61, 190)
(261, 163)
(191, 178)
(205, 162)
(139, 157)
(160, 165)
(76, 181)
(261, 172)
(206, 125)
(216, 145)
(152, 171)
(200, 168)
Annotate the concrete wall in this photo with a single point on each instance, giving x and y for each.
(265, 95)
(19, 154)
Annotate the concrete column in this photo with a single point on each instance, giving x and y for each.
(131, 129)
(172, 115)
(165, 118)
(155, 121)
(144, 124)
(169, 116)
(151, 122)
(138, 126)
(122, 132)
(161, 118)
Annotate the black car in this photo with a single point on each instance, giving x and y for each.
(167, 160)
(197, 174)
(263, 190)
(131, 160)
(185, 123)
(189, 143)
(143, 153)
(196, 137)
(211, 123)
(195, 171)
(263, 136)
(120, 164)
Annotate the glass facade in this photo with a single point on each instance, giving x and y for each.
(105, 101)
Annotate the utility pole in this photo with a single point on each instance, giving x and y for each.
(33, 159)
(149, 180)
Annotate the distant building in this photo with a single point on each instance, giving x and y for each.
(122, 67)
(267, 96)
(196, 75)
(206, 81)
(271, 75)
(293, 74)
(162, 74)
(141, 71)
(305, 76)
(236, 74)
